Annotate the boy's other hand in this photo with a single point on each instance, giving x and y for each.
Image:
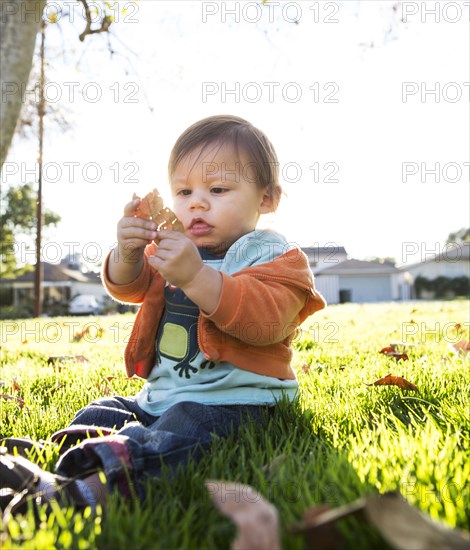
(134, 234)
(177, 258)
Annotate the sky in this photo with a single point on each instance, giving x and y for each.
(366, 103)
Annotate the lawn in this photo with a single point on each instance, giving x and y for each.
(344, 439)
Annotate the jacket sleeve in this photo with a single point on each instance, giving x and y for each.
(133, 292)
(259, 312)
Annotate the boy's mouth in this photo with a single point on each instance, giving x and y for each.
(200, 227)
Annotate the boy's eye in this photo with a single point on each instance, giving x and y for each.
(184, 192)
(218, 190)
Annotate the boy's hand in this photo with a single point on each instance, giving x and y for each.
(177, 258)
(179, 262)
(134, 234)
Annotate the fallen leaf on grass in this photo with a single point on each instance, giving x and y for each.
(65, 358)
(404, 526)
(274, 465)
(401, 525)
(19, 400)
(317, 367)
(391, 352)
(391, 380)
(395, 345)
(105, 388)
(401, 356)
(15, 387)
(78, 336)
(319, 525)
(462, 346)
(256, 519)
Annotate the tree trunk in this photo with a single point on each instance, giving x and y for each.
(19, 24)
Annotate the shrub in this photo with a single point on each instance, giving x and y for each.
(442, 286)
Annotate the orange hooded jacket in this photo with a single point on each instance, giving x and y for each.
(252, 327)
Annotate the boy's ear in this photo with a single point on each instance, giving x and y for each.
(269, 202)
(266, 204)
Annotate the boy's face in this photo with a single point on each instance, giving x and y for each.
(216, 197)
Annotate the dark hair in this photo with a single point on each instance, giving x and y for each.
(243, 137)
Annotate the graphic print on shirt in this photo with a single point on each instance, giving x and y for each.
(177, 335)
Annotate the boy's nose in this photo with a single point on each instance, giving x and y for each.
(198, 201)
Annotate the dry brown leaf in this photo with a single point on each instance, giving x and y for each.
(391, 352)
(319, 525)
(324, 537)
(275, 464)
(391, 380)
(15, 386)
(404, 526)
(151, 207)
(401, 525)
(78, 336)
(19, 400)
(104, 387)
(395, 345)
(256, 519)
(64, 358)
(462, 346)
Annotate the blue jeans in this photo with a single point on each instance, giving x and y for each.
(143, 442)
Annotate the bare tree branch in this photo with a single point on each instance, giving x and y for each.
(105, 22)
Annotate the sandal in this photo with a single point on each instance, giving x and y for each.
(64, 439)
(76, 433)
(22, 481)
(23, 445)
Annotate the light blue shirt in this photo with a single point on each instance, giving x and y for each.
(181, 372)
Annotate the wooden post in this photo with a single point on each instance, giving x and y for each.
(38, 272)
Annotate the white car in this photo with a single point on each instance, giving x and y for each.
(85, 304)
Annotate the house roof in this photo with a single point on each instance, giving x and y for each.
(57, 273)
(323, 250)
(452, 252)
(359, 267)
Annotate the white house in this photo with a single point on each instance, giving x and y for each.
(60, 283)
(322, 257)
(452, 262)
(362, 281)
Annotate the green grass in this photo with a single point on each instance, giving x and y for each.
(343, 439)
